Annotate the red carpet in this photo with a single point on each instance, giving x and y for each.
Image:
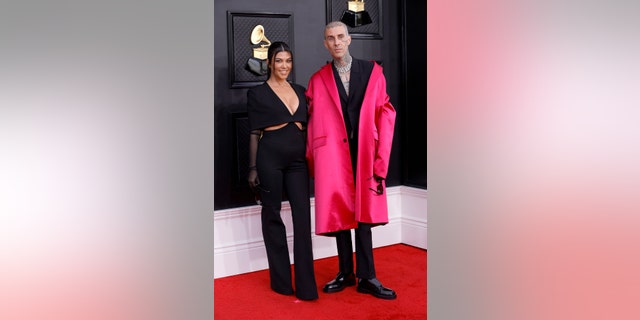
(400, 267)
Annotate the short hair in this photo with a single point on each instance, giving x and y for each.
(334, 24)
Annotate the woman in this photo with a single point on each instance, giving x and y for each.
(277, 116)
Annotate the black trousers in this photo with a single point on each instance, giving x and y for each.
(365, 268)
(282, 168)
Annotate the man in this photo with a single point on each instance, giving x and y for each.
(349, 136)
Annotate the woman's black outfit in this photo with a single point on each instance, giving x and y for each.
(282, 167)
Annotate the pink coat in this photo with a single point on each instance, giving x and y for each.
(339, 204)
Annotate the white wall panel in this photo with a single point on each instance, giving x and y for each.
(238, 245)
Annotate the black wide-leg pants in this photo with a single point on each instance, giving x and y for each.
(282, 168)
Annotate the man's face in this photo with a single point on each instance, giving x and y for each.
(337, 41)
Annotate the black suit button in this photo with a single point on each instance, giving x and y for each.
(344, 140)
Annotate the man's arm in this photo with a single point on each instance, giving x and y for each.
(385, 117)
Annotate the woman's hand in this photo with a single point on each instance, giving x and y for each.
(252, 178)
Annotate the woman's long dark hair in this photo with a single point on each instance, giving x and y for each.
(274, 49)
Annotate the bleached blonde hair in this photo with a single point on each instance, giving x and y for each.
(336, 23)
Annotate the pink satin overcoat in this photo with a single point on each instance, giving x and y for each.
(339, 204)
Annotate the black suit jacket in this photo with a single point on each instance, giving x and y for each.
(351, 104)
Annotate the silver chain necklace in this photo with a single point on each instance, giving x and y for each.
(343, 69)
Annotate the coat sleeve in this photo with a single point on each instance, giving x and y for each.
(385, 123)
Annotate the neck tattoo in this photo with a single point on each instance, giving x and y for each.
(346, 68)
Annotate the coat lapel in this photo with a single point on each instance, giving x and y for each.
(330, 84)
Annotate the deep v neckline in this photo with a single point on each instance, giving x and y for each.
(282, 102)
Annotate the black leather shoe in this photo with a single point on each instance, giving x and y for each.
(342, 280)
(374, 287)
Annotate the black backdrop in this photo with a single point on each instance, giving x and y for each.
(406, 85)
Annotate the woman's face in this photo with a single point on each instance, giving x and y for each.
(281, 65)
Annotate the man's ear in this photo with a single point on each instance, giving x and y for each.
(325, 44)
(349, 40)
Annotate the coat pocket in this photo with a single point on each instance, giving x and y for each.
(319, 142)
